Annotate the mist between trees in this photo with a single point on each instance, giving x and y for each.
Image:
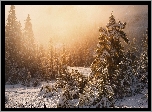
(116, 61)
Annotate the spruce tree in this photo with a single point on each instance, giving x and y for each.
(28, 34)
(69, 61)
(29, 46)
(105, 68)
(64, 60)
(128, 68)
(143, 69)
(51, 55)
(56, 64)
(109, 49)
(13, 36)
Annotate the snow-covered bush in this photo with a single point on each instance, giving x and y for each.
(94, 92)
(47, 90)
(69, 98)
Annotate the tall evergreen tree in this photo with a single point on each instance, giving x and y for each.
(105, 68)
(51, 54)
(69, 61)
(29, 46)
(13, 35)
(109, 49)
(64, 59)
(56, 63)
(28, 34)
(143, 68)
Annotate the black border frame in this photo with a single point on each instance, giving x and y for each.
(3, 3)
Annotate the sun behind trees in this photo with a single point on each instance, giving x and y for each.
(24, 55)
(115, 72)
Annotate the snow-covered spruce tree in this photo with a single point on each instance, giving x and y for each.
(69, 61)
(104, 68)
(128, 70)
(134, 54)
(43, 63)
(63, 61)
(70, 91)
(142, 70)
(13, 36)
(29, 46)
(87, 57)
(144, 59)
(126, 77)
(50, 57)
(40, 54)
(53, 61)
(28, 34)
(56, 64)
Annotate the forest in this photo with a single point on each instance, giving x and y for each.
(116, 67)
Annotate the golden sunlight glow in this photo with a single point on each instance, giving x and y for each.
(66, 24)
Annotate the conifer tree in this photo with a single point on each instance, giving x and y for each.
(128, 68)
(64, 59)
(69, 61)
(43, 62)
(29, 46)
(56, 64)
(143, 68)
(51, 55)
(13, 36)
(28, 34)
(109, 49)
(105, 68)
(87, 56)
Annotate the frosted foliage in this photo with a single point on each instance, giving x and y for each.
(104, 32)
(51, 95)
(115, 67)
(60, 77)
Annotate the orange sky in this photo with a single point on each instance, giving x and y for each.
(64, 23)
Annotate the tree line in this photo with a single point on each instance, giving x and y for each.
(116, 70)
(24, 56)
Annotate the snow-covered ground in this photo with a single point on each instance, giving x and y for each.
(82, 70)
(137, 101)
(20, 96)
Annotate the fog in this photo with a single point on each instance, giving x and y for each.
(67, 24)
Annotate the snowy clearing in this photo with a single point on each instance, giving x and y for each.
(27, 97)
(20, 96)
(82, 70)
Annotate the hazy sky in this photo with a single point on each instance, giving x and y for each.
(64, 23)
